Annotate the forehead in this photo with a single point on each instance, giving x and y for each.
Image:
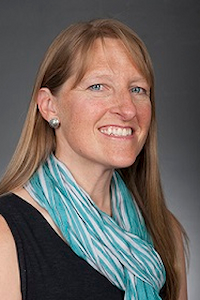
(107, 53)
(108, 50)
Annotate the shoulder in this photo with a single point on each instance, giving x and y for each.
(9, 270)
(180, 244)
(6, 201)
(23, 194)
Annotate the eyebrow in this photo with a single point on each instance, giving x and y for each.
(101, 75)
(97, 75)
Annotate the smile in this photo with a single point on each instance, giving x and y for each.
(116, 131)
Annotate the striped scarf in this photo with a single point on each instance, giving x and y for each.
(119, 247)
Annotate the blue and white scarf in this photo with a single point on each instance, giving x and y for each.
(119, 247)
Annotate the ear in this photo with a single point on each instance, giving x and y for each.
(46, 104)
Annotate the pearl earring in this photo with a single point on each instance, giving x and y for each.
(54, 123)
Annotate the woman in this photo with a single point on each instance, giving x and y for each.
(87, 162)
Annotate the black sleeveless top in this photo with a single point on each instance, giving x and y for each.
(49, 269)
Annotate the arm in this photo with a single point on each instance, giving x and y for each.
(9, 270)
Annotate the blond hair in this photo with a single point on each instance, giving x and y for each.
(69, 55)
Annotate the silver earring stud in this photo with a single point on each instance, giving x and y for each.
(54, 123)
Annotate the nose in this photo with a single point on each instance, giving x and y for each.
(123, 106)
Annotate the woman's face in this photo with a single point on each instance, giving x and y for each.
(104, 119)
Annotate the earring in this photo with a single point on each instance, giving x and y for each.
(54, 123)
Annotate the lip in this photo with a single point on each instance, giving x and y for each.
(130, 131)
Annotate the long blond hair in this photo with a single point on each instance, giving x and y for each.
(69, 55)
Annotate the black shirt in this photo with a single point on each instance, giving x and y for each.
(49, 269)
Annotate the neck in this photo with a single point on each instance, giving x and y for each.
(94, 179)
(99, 190)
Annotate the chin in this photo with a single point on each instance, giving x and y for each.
(124, 163)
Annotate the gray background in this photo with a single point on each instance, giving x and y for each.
(171, 31)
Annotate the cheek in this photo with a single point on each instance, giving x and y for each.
(69, 113)
(144, 114)
(75, 119)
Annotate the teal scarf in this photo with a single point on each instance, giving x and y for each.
(119, 247)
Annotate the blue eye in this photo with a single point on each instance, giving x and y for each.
(137, 90)
(96, 87)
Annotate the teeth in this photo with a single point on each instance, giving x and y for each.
(109, 130)
(117, 131)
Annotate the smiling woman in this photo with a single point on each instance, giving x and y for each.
(110, 107)
(87, 162)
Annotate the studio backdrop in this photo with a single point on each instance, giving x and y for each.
(171, 32)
